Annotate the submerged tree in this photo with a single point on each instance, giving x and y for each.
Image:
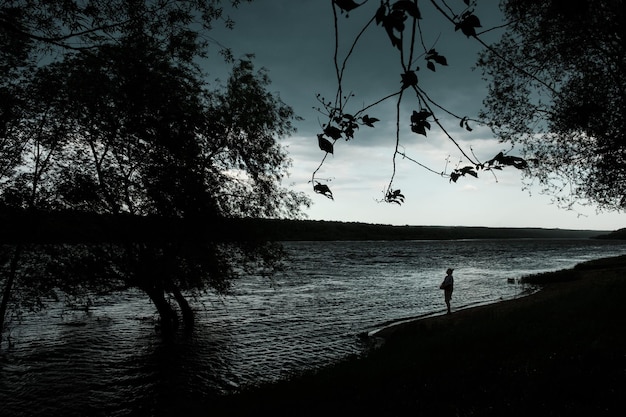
(122, 122)
(564, 100)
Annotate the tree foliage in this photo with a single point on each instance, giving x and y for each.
(400, 24)
(563, 99)
(111, 114)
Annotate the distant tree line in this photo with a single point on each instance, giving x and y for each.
(73, 227)
(293, 230)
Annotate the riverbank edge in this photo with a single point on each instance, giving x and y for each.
(560, 351)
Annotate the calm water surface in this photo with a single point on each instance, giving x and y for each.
(110, 361)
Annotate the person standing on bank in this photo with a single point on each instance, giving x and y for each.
(448, 286)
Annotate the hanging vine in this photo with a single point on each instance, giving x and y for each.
(400, 21)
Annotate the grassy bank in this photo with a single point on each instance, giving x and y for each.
(560, 352)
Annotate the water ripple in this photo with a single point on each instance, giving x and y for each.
(109, 360)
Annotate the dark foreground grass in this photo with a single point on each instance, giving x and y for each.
(559, 352)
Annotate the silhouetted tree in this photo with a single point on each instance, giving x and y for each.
(121, 121)
(557, 89)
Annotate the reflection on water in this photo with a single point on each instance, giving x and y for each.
(109, 361)
(110, 367)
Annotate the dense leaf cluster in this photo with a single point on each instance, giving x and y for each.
(557, 81)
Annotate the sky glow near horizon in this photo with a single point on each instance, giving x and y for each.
(294, 40)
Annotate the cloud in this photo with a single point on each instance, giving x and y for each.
(294, 40)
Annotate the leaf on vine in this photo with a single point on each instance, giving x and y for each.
(369, 121)
(395, 20)
(507, 160)
(433, 55)
(395, 41)
(464, 124)
(380, 14)
(392, 21)
(419, 124)
(468, 24)
(409, 79)
(349, 131)
(409, 7)
(467, 170)
(419, 129)
(333, 132)
(394, 196)
(466, 2)
(440, 59)
(325, 144)
(470, 171)
(421, 115)
(324, 190)
(346, 5)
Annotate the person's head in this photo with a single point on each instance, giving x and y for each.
(449, 271)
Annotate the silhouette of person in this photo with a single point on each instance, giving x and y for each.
(448, 286)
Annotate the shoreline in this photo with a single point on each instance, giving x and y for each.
(560, 351)
(385, 330)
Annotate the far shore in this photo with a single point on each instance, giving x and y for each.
(558, 352)
(84, 227)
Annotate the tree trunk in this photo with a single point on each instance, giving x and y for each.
(185, 308)
(6, 294)
(169, 319)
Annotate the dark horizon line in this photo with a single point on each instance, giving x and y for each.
(77, 227)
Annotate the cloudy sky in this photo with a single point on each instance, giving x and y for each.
(294, 40)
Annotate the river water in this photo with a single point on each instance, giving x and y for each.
(109, 360)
